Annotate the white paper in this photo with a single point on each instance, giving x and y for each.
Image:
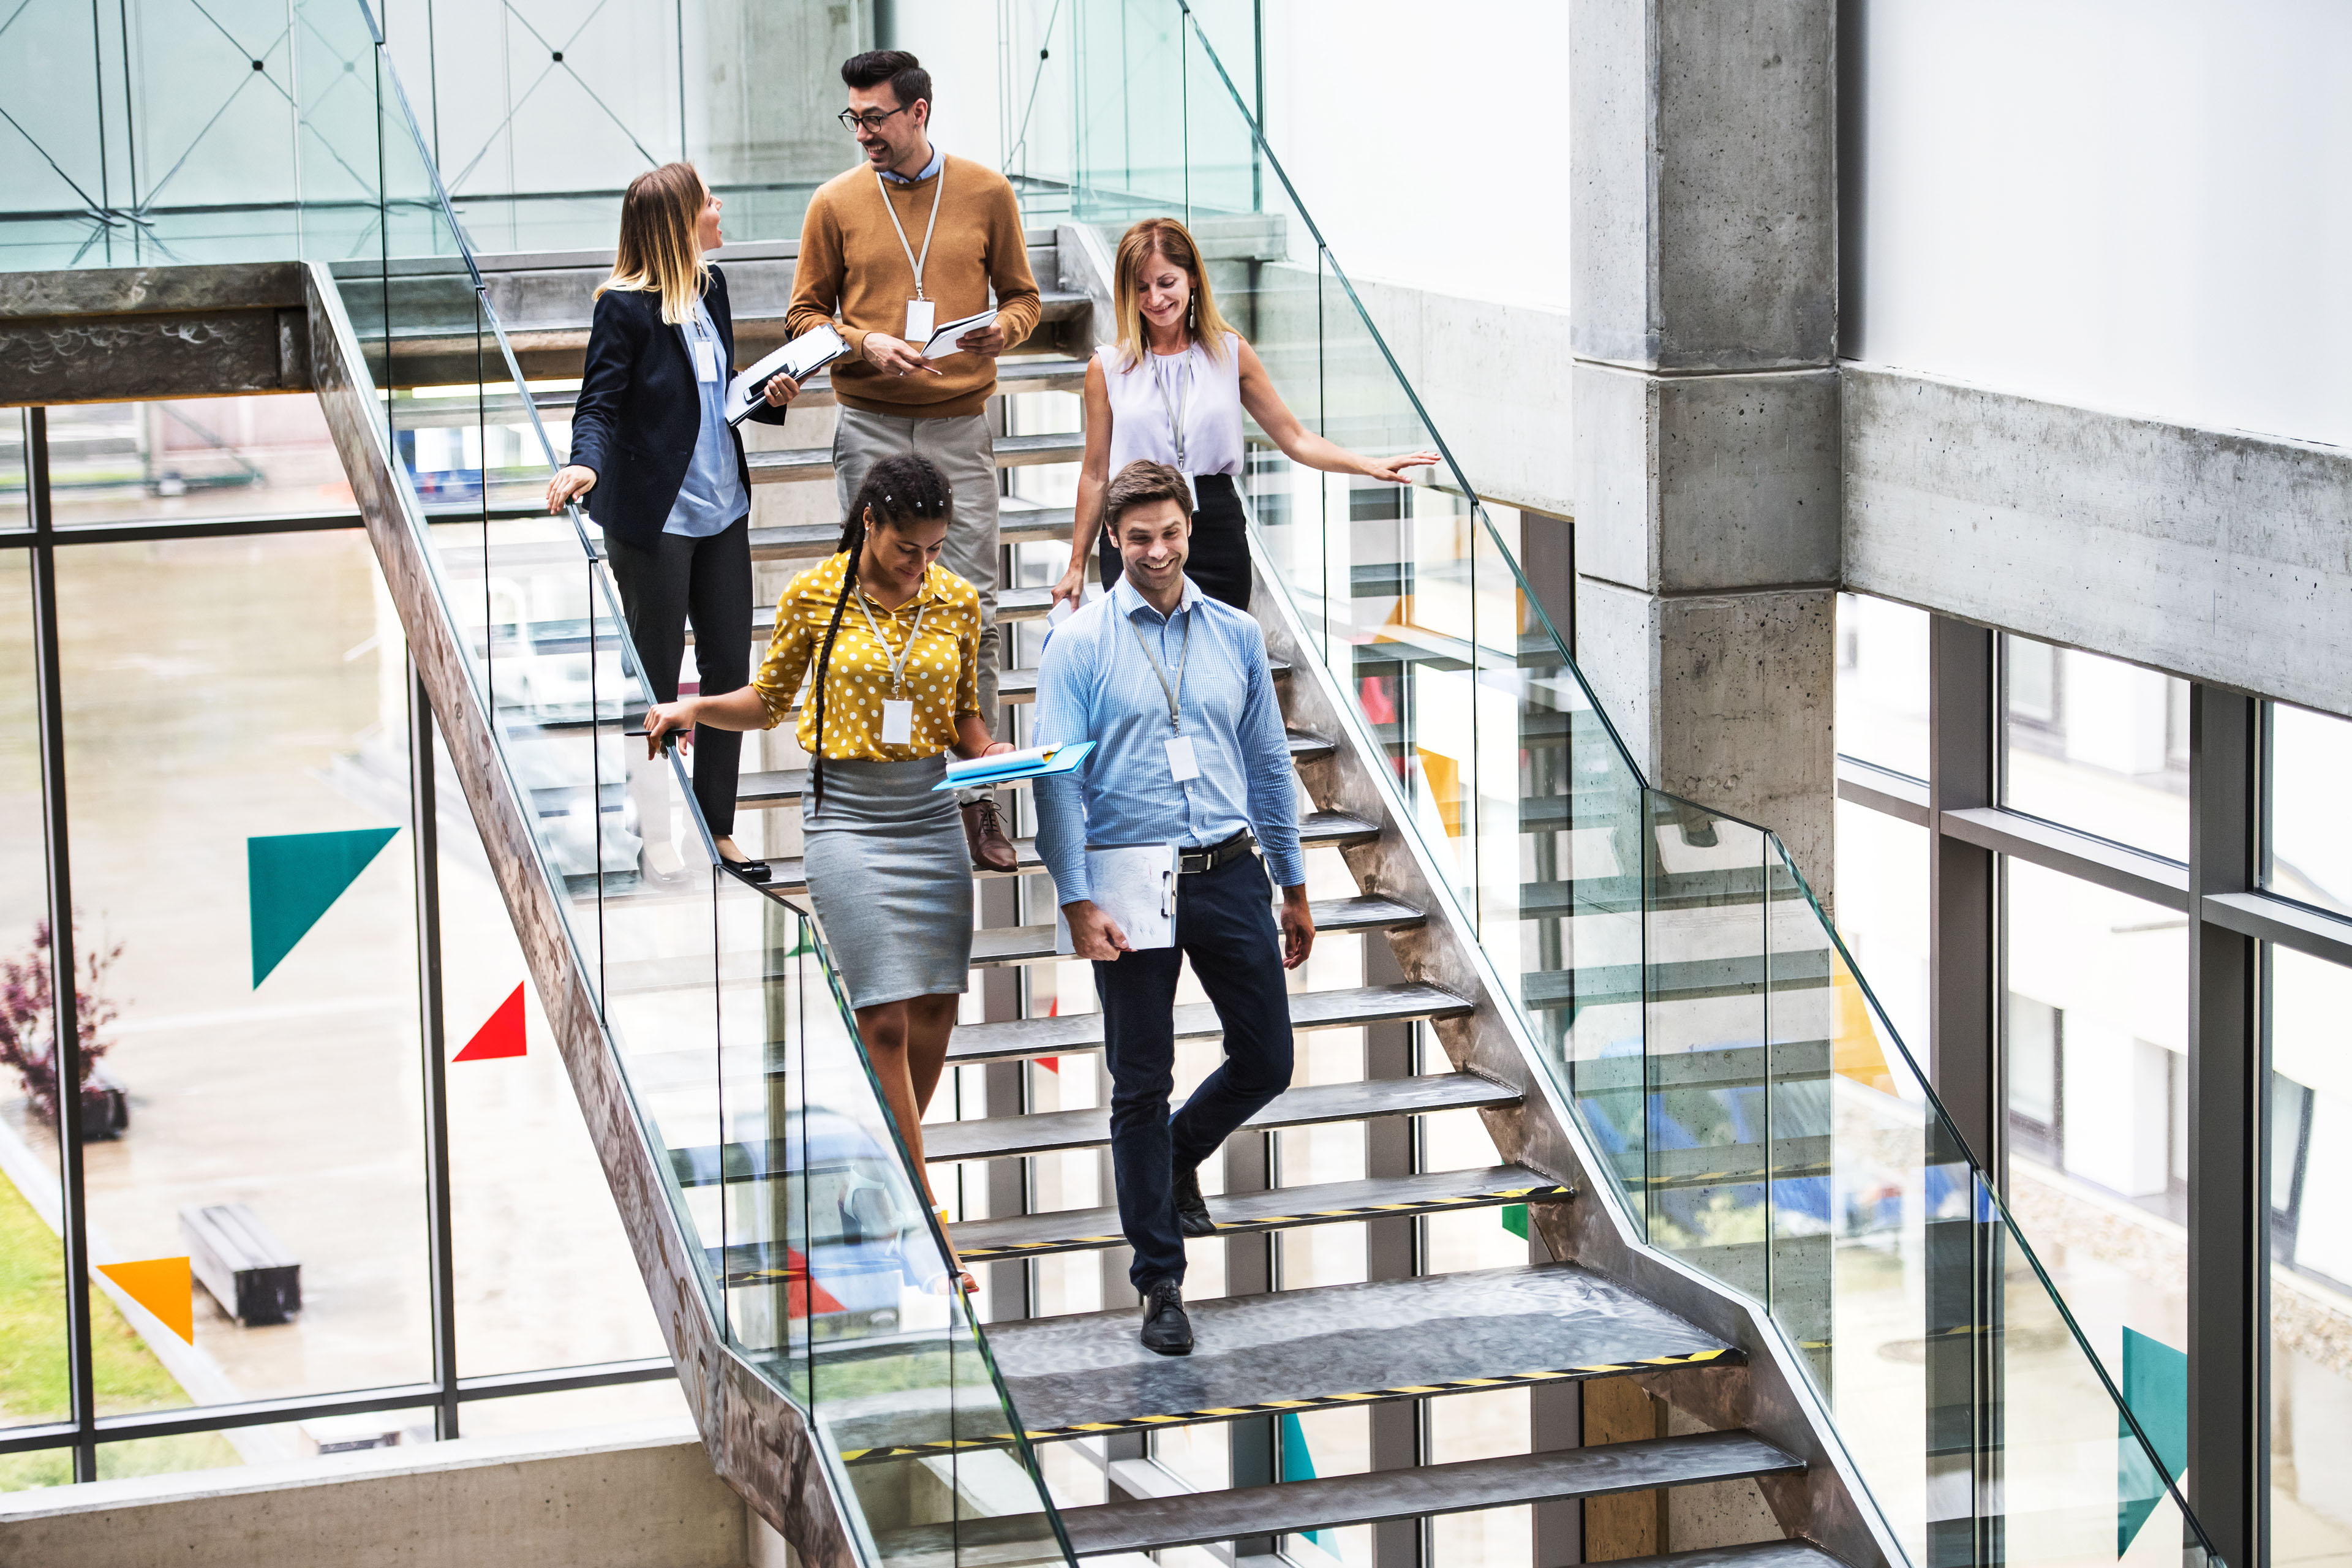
(940, 344)
(706, 360)
(920, 314)
(897, 722)
(1180, 760)
(1136, 885)
(800, 359)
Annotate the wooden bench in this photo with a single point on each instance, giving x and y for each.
(246, 1268)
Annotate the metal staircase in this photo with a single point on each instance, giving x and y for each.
(1759, 1262)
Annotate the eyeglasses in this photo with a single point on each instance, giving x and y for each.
(851, 120)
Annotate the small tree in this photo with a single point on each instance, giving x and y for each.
(29, 1017)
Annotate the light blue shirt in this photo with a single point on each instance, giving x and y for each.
(711, 495)
(938, 161)
(1095, 684)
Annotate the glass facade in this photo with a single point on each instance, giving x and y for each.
(241, 851)
(2094, 1027)
(2311, 1251)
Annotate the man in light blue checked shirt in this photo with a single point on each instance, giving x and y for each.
(1174, 689)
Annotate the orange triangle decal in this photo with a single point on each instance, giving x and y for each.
(502, 1036)
(161, 1286)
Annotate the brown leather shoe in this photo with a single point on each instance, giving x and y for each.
(983, 830)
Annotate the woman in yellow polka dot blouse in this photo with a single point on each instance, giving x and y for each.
(895, 639)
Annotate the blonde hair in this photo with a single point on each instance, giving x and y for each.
(1164, 237)
(659, 252)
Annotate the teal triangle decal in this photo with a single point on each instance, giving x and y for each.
(1298, 1465)
(2155, 1387)
(292, 878)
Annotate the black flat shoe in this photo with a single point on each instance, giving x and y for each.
(1192, 1209)
(750, 870)
(1166, 1328)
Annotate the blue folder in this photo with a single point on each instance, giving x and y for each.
(1064, 759)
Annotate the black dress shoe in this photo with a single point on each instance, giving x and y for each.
(750, 870)
(1192, 1209)
(1166, 1328)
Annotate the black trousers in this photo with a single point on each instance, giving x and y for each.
(1225, 922)
(1219, 561)
(708, 583)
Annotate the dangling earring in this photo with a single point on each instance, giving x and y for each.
(1192, 316)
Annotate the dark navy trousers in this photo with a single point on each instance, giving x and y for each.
(1225, 924)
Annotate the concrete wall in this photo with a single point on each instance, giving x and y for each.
(2213, 556)
(639, 1495)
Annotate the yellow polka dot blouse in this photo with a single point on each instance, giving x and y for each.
(942, 673)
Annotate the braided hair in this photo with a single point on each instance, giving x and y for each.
(896, 489)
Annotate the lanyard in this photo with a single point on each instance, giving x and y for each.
(1175, 412)
(1184, 652)
(898, 659)
(912, 259)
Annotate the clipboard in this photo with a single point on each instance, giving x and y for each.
(800, 359)
(1135, 884)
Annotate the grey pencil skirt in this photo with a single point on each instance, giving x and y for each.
(892, 880)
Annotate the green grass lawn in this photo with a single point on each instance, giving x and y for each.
(33, 1363)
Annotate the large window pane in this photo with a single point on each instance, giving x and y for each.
(2096, 1030)
(2311, 1249)
(1882, 683)
(1882, 912)
(2094, 743)
(268, 456)
(235, 723)
(2306, 853)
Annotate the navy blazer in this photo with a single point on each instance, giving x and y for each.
(639, 413)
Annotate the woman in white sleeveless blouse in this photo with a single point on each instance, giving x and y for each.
(1174, 389)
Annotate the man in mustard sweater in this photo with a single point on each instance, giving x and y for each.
(910, 240)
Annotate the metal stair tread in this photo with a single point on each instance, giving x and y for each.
(995, 946)
(1317, 830)
(1328, 1502)
(1335, 1345)
(1283, 1208)
(783, 785)
(1003, 1137)
(999, 1137)
(1071, 1035)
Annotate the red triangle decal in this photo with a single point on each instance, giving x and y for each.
(502, 1036)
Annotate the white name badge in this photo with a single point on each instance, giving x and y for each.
(706, 360)
(922, 319)
(897, 722)
(1180, 760)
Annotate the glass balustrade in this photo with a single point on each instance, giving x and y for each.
(1732, 1075)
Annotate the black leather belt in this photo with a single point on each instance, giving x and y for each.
(1193, 862)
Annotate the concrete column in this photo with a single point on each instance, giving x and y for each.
(1703, 304)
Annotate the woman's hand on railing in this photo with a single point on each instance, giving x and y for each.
(781, 389)
(666, 719)
(569, 484)
(1393, 469)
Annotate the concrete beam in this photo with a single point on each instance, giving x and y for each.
(641, 1495)
(1725, 700)
(1699, 484)
(110, 333)
(1703, 183)
(2214, 555)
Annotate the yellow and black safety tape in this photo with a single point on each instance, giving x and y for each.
(1549, 1192)
(1723, 1356)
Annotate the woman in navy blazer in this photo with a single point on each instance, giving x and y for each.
(663, 470)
